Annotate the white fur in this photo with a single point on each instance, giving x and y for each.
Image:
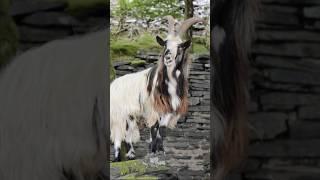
(124, 102)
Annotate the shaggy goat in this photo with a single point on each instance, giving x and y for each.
(53, 111)
(158, 94)
(233, 25)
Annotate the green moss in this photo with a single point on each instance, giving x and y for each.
(199, 49)
(131, 177)
(124, 49)
(112, 73)
(138, 62)
(128, 167)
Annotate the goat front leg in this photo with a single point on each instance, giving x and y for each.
(156, 138)
(117, 146)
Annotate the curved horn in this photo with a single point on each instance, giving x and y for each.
(187, 24)
(171, 29)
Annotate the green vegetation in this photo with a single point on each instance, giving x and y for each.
(125, 49)
(128, 167)
(138, 62)
(136, 169)
(130, 177)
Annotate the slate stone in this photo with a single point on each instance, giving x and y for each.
(196, 66)
(285, 35)
(296, 77)
(194, 101)
(305, 130)
(312, 12)
(267, 125)
(271, 14)
(120, 63)
(286, 148)
(283, 174)
(303, 64)
(293, 2)
(125, 67)
(198, 85)
(288, 100)
(292, 49)
(199, 73)
(309, 112)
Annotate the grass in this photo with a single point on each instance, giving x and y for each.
(124, 49)
(136, 169)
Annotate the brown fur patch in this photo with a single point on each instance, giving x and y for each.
(162, 103)
(183, 108)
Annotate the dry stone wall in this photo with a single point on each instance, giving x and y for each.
(285, 93)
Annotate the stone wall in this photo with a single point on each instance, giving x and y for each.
(187, 146)
(285, 93)
(39, 22)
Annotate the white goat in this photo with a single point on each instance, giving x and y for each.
(158, 94)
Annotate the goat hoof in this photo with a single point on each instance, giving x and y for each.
(131, 156)
(117, 159)
(156, 145)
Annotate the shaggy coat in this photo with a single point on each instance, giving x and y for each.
(233, 25)
(53, 112)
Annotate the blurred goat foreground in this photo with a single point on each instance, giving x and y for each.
(233, 26)
(157, 94)
(52, 118)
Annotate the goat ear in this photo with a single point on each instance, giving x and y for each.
(185, 44)
(160, 41)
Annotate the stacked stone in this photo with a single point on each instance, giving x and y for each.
(187, 146)
(40, 22)
(285, 93)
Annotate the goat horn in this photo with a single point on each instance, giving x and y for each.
(171, 28)
(185, 25)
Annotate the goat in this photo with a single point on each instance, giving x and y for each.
(157, 94)
(53, 111)
(233, 25)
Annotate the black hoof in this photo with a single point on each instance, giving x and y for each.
(156, 145)
(118, 159)
(131, 158)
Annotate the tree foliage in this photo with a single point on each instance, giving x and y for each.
(151, 9)
(147, 10)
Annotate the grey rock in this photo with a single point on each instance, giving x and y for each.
(309, 112)
(312, 12)
(267, 125)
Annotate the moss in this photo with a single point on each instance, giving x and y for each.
(128, 167)
(123, 48)
(132, 177)
(138, 62)
(112, 73)
(199, 49)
